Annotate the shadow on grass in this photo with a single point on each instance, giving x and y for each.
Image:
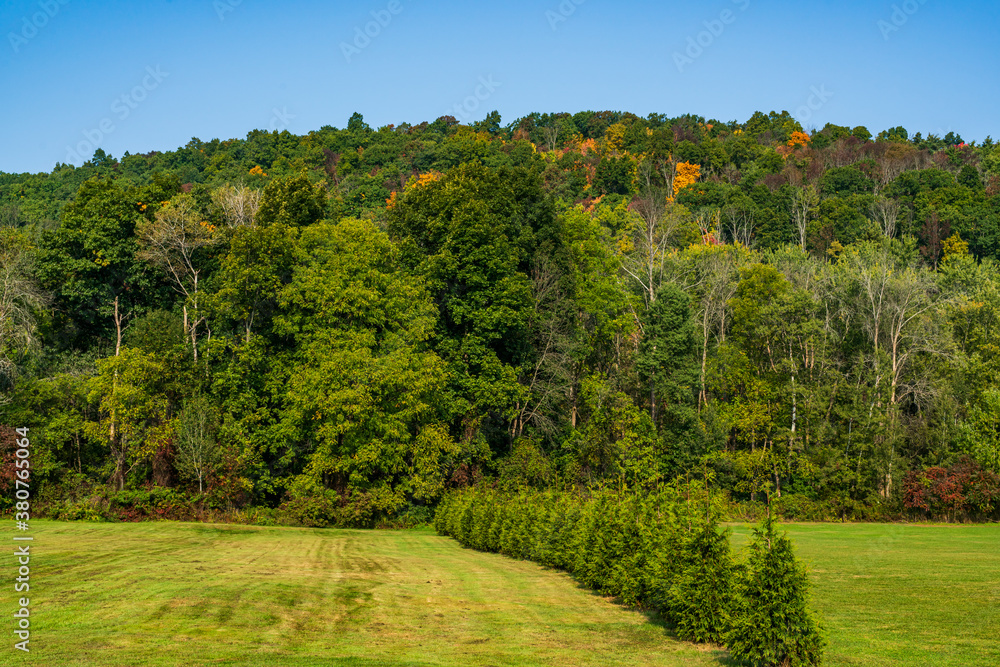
(719, 653)
(653, 617)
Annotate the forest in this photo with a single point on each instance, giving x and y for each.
(338, 328)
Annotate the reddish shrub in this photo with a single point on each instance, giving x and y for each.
(8, 445)
(962, 491)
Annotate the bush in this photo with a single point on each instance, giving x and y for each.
(82, 511)
(772, 626)
(793, 507)
(315, 511)
(962, 491)
(799, 508)
(411, 516)
(701, 597)
(152, 503)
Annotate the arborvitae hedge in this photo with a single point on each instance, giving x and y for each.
(658, 551)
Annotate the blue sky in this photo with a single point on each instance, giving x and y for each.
(142, 76)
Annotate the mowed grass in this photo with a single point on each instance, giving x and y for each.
(194, 594)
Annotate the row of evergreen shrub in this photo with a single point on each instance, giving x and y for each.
(657, 550)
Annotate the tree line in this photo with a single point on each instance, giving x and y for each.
(344, 325)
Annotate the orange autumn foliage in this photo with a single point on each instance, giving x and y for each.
(588, 146)
(589, 208)
(590, 171)
(687, 174)
(799, 139)
(418, 181)
(424, 179)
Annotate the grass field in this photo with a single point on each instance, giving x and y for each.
(193, 594)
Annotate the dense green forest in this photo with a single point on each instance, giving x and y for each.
(342, 326)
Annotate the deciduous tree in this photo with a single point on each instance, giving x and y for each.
(366, 394)
(132, 412)
(89, 264)
(173, 241)
(21, 300)
(196, 440)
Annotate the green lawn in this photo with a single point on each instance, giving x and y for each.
(192, 594)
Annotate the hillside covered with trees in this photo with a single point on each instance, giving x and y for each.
(346, 324)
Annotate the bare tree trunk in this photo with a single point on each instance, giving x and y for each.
(705, 325)
(118, 330)
(117, 449)
(194, 339)
(794, 411)
(804, 203)
(551, 135)
(886, 213)
(573, 411)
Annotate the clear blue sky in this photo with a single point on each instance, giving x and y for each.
(225, 67)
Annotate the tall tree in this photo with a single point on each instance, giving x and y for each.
(173, 241)
(474, 234)
(367, 396)
(667, 359)
(547, 375)
(645, 245)
(251, 274)
(885, 212)
(710, 274)
(237, 205)
(89, 263)
(132, 412)
(898, 308)
(21, 300)
(604, 325)
(197, 444)
(805, 203)
(292, 201)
